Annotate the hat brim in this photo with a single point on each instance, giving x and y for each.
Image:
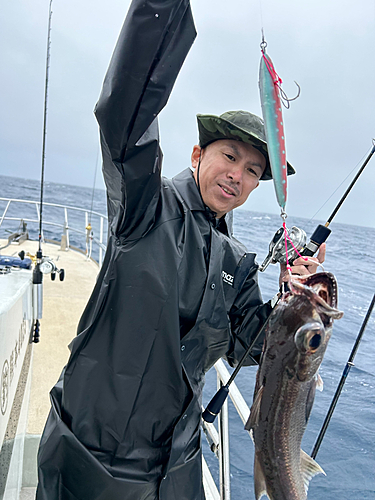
(213, 128)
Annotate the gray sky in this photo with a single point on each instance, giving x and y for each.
(327, 46)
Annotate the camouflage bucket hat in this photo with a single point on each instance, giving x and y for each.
(240, 126)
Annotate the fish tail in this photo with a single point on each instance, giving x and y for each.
(260, 485)
(309, 469)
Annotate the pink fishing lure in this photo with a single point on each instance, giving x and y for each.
(269, 86)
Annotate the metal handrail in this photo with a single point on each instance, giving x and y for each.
(77, 209)
(219, 441)
(89, 239)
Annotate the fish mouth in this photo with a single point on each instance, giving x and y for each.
(321, 289)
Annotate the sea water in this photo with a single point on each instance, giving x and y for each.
(347, 452)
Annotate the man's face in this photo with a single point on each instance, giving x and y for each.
(229, 171)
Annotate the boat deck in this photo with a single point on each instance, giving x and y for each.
(63, 304)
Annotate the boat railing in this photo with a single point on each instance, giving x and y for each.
(218, 440)
(70, 222)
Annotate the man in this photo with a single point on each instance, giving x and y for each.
(176, 291)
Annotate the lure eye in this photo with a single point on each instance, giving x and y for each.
(309, 337)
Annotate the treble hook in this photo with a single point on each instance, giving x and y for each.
(285, 99)
(277, 80)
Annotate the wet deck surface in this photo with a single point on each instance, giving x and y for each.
(63, 304)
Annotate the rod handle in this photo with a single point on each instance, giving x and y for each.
(318, 237)
(214, 406)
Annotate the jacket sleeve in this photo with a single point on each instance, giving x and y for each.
(153, 43)
(247, 316)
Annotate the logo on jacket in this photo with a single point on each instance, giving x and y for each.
(227, 278)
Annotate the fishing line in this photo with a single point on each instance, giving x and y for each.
(271, 68)
(89, 232)
(306, 259)
(93, 188)
(286, 238)
(286, 249)
(291, 242)
(338, 187)
(261, 18)
(285, 100)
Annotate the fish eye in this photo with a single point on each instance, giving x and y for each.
(309, 337)
(315, 341)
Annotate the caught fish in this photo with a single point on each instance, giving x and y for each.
(296, 339)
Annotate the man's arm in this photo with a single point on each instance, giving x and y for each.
(247, 316)
(150, 51)
(248, 313)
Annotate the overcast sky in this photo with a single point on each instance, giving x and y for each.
(327, 46)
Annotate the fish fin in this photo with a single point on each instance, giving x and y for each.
(310, 399)
(309, 469)
(319, 382)
(251, 432)
(259, 480)
(316, 383)
(254, 411)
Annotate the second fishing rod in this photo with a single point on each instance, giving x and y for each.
(277, 250)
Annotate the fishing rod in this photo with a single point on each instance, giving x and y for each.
(214, 406)
(38, 270)
(277, 248)
(344, 376)
(43, 265)
(39, 253)
(277, 253)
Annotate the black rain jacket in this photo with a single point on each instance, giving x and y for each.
(176, 292)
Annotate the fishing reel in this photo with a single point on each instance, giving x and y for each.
(296, 244)
(42, 265)
(45, 265)
(277, 249)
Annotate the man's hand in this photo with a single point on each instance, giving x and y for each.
(301, 267)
